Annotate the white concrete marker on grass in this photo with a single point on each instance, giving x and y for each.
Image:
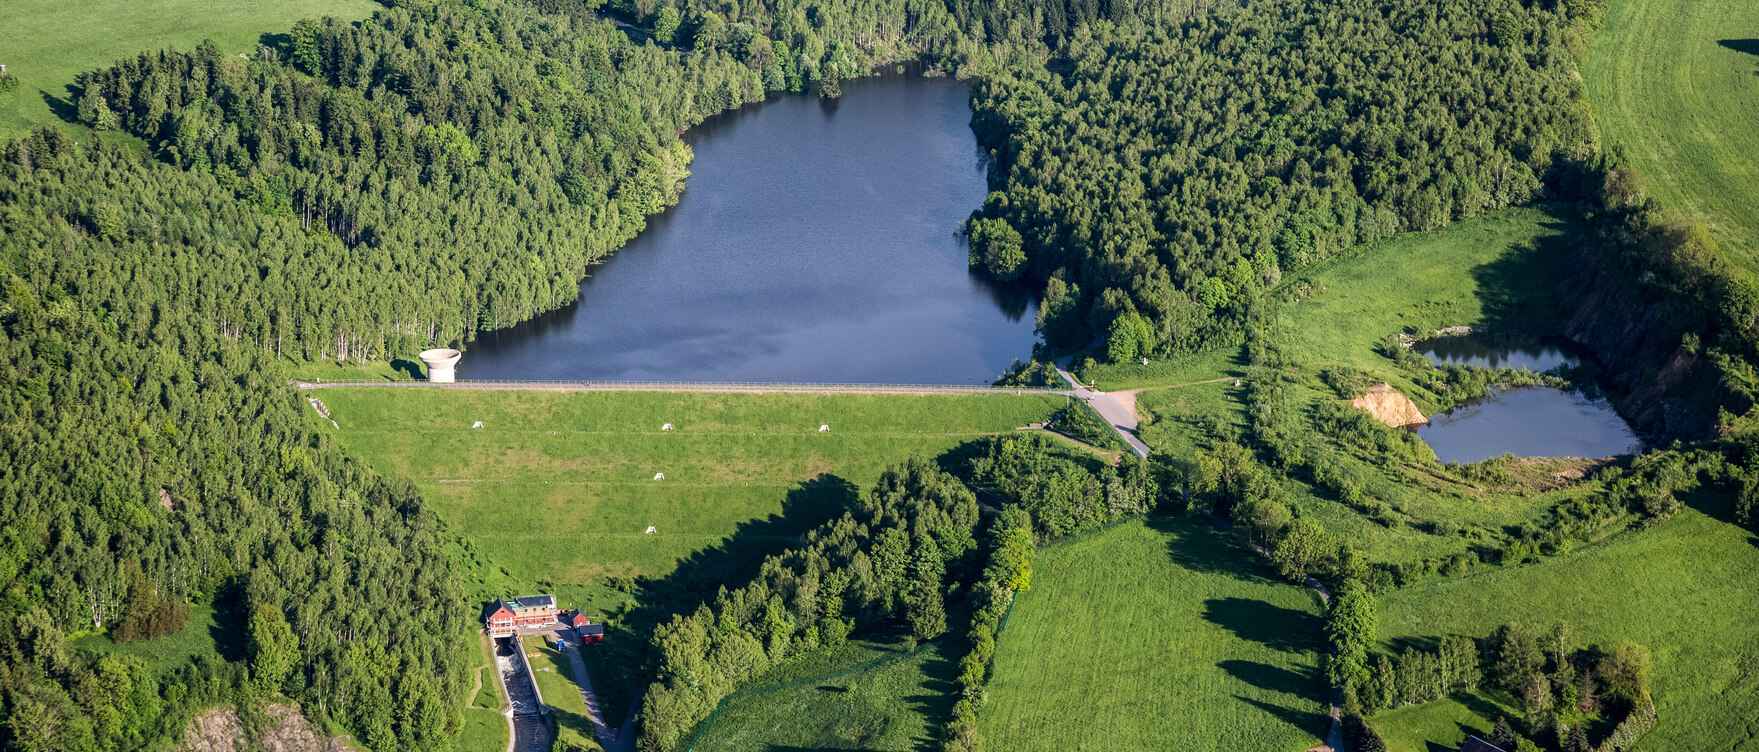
(666, 427)
(659, 476)
(478, 424)
(823, 428)
(650, 530)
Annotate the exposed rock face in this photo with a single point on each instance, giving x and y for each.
(1658, 385)
(220, 730)
(1389, 406)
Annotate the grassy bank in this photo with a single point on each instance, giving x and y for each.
(47, 43)
(556, 491)
(555, 678)
(1684, 589)
(560, 486)
(1157, 635)
(484, 726)
(1673, 83)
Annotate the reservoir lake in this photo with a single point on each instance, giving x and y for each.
(815, 241)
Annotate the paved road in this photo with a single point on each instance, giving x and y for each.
(619, 742)
(1119, 417)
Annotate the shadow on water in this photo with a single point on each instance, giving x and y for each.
(1282, 629)
(731, 564)
(1748, 46)
(1015, 299)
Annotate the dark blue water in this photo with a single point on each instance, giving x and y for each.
(1538, 354)
(815, 241)
(1530, 422)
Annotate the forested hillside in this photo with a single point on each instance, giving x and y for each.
(1175, 172)
(445, 172)
(151, 462)
(361, 191)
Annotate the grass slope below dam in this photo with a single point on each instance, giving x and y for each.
(560, 486)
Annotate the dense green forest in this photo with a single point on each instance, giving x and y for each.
(150, 462)
(1175, 172)
(356, 191)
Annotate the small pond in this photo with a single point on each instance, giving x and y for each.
(814, 242)
(1530, 422)
(1539, 354)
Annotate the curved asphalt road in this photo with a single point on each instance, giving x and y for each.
(1115, 414)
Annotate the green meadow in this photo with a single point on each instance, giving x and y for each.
(1685, 589)
(47, 43)
(1675, 83)
(1499, 272)
(1151, 631)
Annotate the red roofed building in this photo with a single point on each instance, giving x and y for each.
(590, 633)
(513, 614)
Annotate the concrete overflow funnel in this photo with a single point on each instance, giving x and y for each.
(440, 363)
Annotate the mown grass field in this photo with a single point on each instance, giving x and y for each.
(560, 486)
(1676, 84)
(46, 43)
(898, 704)
(1685, 589)
(1157, 635)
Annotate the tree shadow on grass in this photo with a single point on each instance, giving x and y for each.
(1748, 46)
(1281, 629)
(1317, 724)
(230, 627)
(1270, 678)
(409, 368)
(1718, 505)
(63, 107)
(936, 706)
(698, 578)
(1519, 290)
(1195, 543)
